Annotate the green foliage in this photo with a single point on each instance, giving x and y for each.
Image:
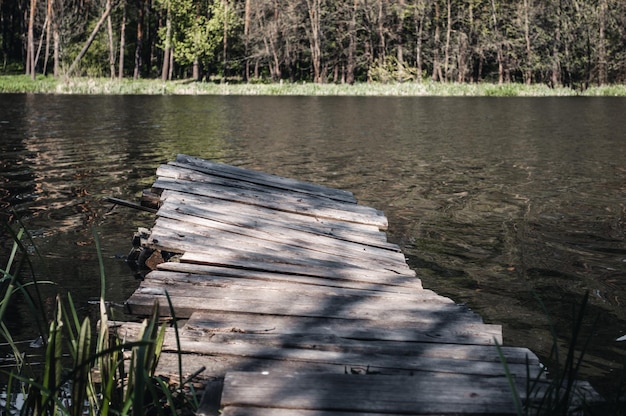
(197, 29)
(23, 84)
(392, 70)
(94, 379)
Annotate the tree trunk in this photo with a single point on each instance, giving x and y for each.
(529, 57)
(436, 64)
(50, 19)
(30, 50)
(56, 48)
(140, 36)
(89, 41)
(120, 74)
(225, 49)
(314, 9)
(498, 42)
(382, 44)
(446, 64)
(111, 47)
(602, 67)
(196, 69)
(40, 45)
(167, 50)
(419, 29)
(399, 36)
(351, 64)
(246, 40)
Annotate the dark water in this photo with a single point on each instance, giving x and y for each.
(493, 200)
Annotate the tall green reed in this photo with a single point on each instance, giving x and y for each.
(555, 389)
(85, 372)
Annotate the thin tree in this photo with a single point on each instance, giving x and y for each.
(111, 47)
(529, 53)
(352, 40)
(30, 50)
(498, 41)
(107, 10)
(140, 38)
(225, 43)
(50, 20)
(400, 36)
(314, 31)
(122, 41)
(167, 49)
(246, 40)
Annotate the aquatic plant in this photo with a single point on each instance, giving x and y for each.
(86, 372)
(556, 389)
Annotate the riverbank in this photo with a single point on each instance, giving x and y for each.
(103, 86)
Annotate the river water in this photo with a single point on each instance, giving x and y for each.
(495, 201)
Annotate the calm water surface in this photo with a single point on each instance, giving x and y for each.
(493, 200)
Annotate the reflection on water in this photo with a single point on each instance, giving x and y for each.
(493, 200)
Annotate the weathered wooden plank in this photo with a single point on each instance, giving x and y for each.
(254, 261)
(257, 411)
(193, 285)
(407, 358)
(439, 394)
(307, 298)
(261, 178)
(185, 173)
(322, 210)
(204, 236)
(222, 210)
(270, 235)
(140, 303)
(433, 332)
(216, 271)
(204, 282)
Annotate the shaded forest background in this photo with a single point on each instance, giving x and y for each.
(573, 43)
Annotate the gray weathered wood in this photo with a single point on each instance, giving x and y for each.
(188, 300)
(261, 178)
(297, 281)
(370, 393)
(216, 271)
(271, 235)
(367, 355)
(194, 281)
(204, 235)
(259, 217)
(321, 210)
(450, 333)
(301, 267)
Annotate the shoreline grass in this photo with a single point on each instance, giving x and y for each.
(104, 86)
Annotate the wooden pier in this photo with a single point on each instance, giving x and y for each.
(296, 304)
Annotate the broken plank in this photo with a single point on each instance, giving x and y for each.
(255, 261)
(256, 216)
(176, 282)
(322, 210)
(441, 394)
(262, 178)
(204, 235)
(236, 226)
(203, 269)
(402, 358)
(257, 411)
(356, 328)
(184, 173)
(141, 303)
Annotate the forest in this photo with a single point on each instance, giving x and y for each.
(573, 43)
